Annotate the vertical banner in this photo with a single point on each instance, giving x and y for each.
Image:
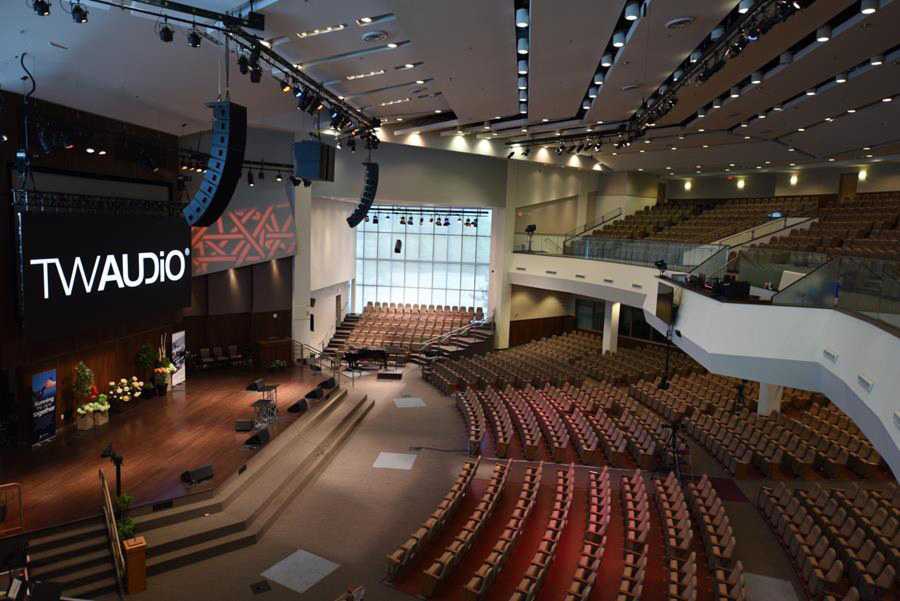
(179, 350)
(43, 408)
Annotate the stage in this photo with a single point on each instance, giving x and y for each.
(159, 438)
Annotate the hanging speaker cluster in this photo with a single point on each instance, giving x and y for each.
(368, 195)
(223, 170)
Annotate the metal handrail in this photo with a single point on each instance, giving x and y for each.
(333, 363)
(112, 532)
(754, 237)
(457, 332)
(604, 220)
(15, 486)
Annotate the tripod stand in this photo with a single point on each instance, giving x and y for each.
(674, 444)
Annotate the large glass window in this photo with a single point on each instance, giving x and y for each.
(436, 265)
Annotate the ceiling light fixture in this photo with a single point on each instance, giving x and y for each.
(745, 6)
(735, 92)
(315, 32)
(194, 39)
(522, 18)
(522, 45)
(364, 20)
(523, 67)
(79, 13)
(840, 78)
(392, 45)
(756, 78)
(522, 83)
(632, 11)
(876, 60)
(868, 7)
(823, 34)
(606, 60)
(599, 78)
(618, 39)
(41, 7)
(811, 92)
(364, 75)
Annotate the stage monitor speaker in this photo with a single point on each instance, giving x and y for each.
(315, 393)
(368, 195)
(328, 384)
(223, 170)
(259, 440)
(300, 406)
(201, 474)
(314, 161)
(255, 385)
(243, 425)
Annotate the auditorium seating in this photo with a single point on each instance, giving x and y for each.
(484, 576)
(866, 226)
(728, 217)
(404, 327)
(593, 547)
(442, 567)
(435, 523)
(650, 220)
(678, 536)
(837, 539)
(636, 509)
(531, 582)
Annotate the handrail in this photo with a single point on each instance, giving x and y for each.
(333, 363)
(475, 323)
(614, 214)
(772, 233)
(112, 532)
(14, 529)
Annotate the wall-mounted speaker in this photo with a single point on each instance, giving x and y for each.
(223, 170)
(368, 195)
(314, 161)
(398, 246)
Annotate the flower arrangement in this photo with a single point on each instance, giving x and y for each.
(125, 390)
(84, 381)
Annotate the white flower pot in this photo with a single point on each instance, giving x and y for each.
(101, 417)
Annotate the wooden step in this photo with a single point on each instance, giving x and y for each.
(64, 536)
(73, 549)
(69, 565)
(94, 589)
(87, 576)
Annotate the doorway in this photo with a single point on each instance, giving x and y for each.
(338, 311)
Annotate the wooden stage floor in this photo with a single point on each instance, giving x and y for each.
(159, 439)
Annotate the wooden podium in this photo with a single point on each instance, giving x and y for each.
(273, 349)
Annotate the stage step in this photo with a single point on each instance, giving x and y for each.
(222, 524)
(63, 567)
(93, 589)
(47, 556)
(62, 536)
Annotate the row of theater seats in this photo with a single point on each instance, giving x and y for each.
(650, 220)
(719, 542)
(730, 217)
(865, 227)
(837, 539)
(547, 361)
(599, 514)
(678, 537)
(407, 551)
(636, 507)
(443, 566)
(530, 584)
(406, 327)
(485, 575)
(628, 365)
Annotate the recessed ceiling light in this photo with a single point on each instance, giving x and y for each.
(829, 119)
(632, 11)
(768, 162)
(888, 99)
(524, 130)
(364, 20)
(746, 137)
(323, 30)
(643, 151)
(823, 34)
(89, 150)
(801, 129)
(365, 75)
(706, 146)
(618, 39)
(522, 18)
(867, 7)
(867, 148)
(791, 149)
(840, 78)
(876, 60)
(420, 82)
(831, 160)
(777, 108)
(673, 148)
(701, 130)
(811, 92)
(851, 111)
(392, 45)
(438, 111)
(869, 156)
(545, 120)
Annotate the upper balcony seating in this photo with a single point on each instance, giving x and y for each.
(866, 226)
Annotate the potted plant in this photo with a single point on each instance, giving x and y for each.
(85, 417)
(160, 378)
(84, 381)
(101, 410)
(278, 365)
(145, 360)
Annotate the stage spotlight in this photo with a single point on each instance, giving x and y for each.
(285, 86)
(41, 7)
(375, 220)
(279, 178)
(166, 33)
(243, 64)
(446, 221)
(250, 181)
(402, 220)
(255, 74)
(510, 155)
(193, 39)
(79, 13)
(661, 265)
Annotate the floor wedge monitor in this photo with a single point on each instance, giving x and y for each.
(223, 171)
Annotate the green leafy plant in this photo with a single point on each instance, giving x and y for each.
(145, 360)
(126, 528)
(84, 380)
(123, 502)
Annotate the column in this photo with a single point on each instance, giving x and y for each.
(611, 326)
(502, 227)
(769, 399)
(301, 293)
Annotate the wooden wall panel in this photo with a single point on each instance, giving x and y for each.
(526, 330)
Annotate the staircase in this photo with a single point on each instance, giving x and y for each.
(473, 341)
(77, 556)
(339, 341)
(197, 527)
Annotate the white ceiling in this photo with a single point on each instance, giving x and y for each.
(464, 53)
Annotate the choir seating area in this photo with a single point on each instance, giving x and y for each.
(843, 543)
(404, 327)
(866, 226)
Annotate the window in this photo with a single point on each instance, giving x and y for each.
(436, 265)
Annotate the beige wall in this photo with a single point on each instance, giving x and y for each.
(533, 303)
(554, 217)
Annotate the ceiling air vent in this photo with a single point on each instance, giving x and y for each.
(375, 36)
(629, 87)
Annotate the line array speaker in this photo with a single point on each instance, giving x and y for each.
(368, 195)
(223, 170)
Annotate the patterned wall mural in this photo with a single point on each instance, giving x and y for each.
(244, 236)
